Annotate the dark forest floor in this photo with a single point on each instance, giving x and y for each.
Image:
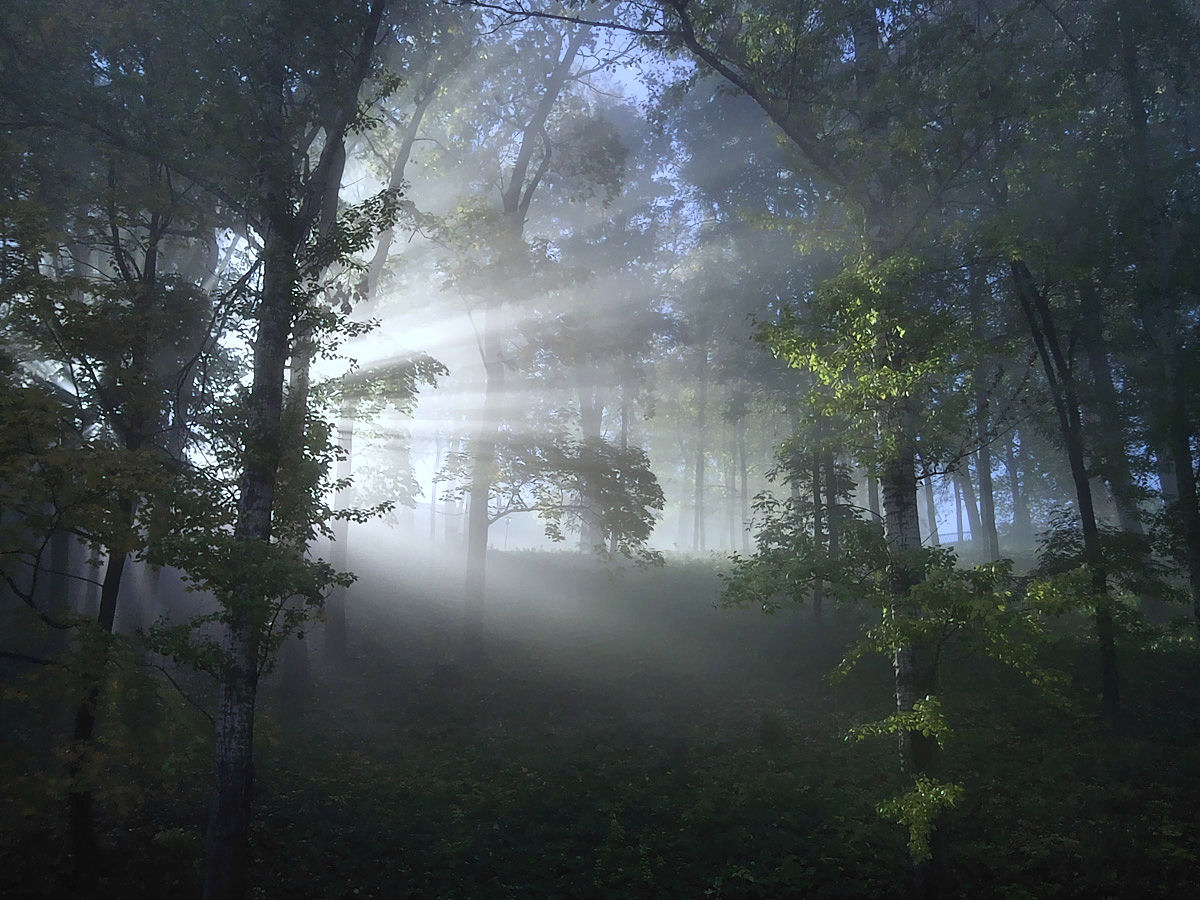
(624, 738)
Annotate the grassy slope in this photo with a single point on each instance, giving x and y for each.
(625, 738)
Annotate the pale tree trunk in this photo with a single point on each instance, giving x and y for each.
(958, 510)
(591, 426)
(743, 490)
(1022, 523)
(818, 508)
(731, 495)
(962, 479)
(483, 461)
(988, 545)
(335, 605)
(433, 486)
(935, 538)
(295, 667)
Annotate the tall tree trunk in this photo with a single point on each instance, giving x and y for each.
(962, 480)
(1022, 532)
(911, 664)
(743, 489)
(80, 804)
(1060, 377)
(987, 505)
(731, 495)
(286, 226)
(1160, 319)
(1168, 485)
(818, 591)
(988, 544)
(699, 545)
(335, 604)
(516, 197)
(591, 422)
(483, 462)
(1109, 437)
(935, 538)
(833, 508)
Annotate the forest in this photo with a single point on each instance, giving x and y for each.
(599, 448)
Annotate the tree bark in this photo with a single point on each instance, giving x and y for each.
(743, 490)
(288, 213)
(1060, 377)
(1160, 319)
(911, 666)
(966, 490)
(1022, 530)
(515, 198)
(335, 605)
(818, 506)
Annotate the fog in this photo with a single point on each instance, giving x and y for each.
(477, 451)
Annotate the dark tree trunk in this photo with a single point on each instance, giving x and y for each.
(80, 804)
(1060, 377)
(1159, 315)
(287, 225)
(911, 665)
(516, 198)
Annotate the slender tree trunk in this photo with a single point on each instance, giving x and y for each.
(433, 486)
(1159, 316)
(591, 421)
(935, 538)
(80, 804)
(911, 665)
(743, 490)
(833, 509)
(818, 591)
(483, 462)
(1109, 436)
(1022, 532)
(962, 479)
(335, 604)
(873, 498)
(1061, 379)
(515, 198)
(1168, 485)
(699, 544)
(987, 505)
